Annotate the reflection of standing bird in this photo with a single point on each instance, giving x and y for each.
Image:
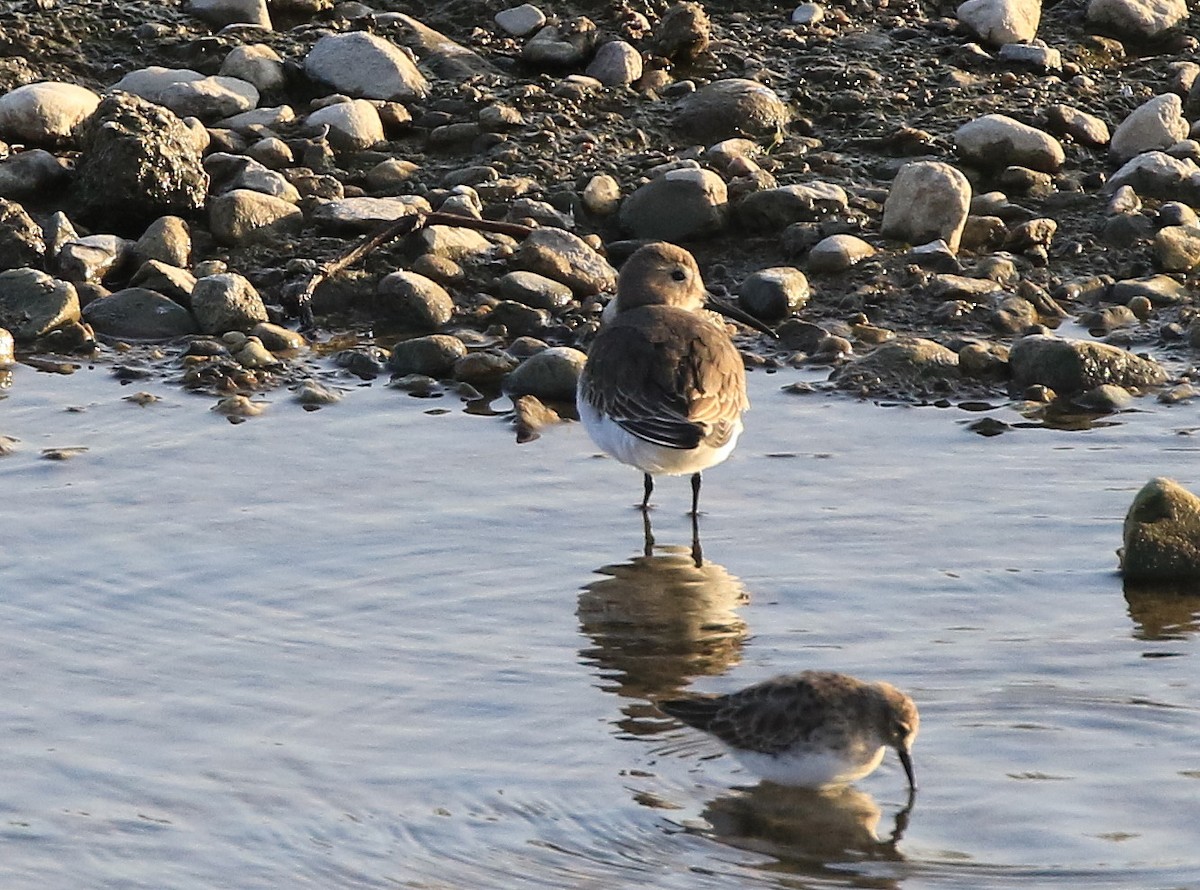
(810, 729)
(664, 387)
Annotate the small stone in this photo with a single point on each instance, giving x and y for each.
(1136, 19)
(258, 64)
(485, 369)
(561, 44)
(167, 239)
(550, 375)
(602, 195)
(534, 290)
(414, 301)
(909, 365)
(520, 21)
(530, 415)
(776, 208)
(1177, 248)
(679, 205)
(314, 394)
(366, 66)
(455, 243)
(1084, 128)
(32, 304)
(616, 63)
(566, 258)
(243, 215)
(1155, 124)
(775, 293)
(255, 355)
(733, 107)
(136, 313)
(1002, 21)
(928, 200)
(21, 239)
(227, 12)
(45, 113)
(353, 125)
(433, 356)
(226, 302)
(239, 407)
(837, 253)
(808, 14)
(997, 141)
(683, 33)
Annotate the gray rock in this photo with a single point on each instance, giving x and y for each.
(414, 301)
(837, 253)
(563, 44)
(353, 125)
(167, 239)
(220, 13)
(807, 14)
(551, 375)
(226, 302)
(45, 113)
(518, 319)
(1070, 366)
(209, 98)
(1161, 290)
(483, 368)
(680, 205)
(258, 64)
(139, 163)
(1002, 21)
(91, 258)
(1136, 19)
(1177, 248)
(365, 66)
(567, 258)
(995, 140)
(777, 208)
(168, 280)
(1084, 128)
(775, 293)
(357, 216)
(242, 215)
(1161, 535)
(447, 59)
(1036, 55)
(909, 365)
(1155, 124)
(534, 290)
(278, 338)
(928, 200)
(520, 21)
(137, 313)
(616, 63)
(733, 107)
(433, 356)
(21, 239)
(602, 195)
(32, 304)
(32, 173)
(1155, 174)
(455, 243)
(229, 172)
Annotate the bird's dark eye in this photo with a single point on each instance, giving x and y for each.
(678, 275)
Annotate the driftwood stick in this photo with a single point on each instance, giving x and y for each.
(397, 228)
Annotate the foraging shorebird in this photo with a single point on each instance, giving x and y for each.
(813, 729)
(664, 387)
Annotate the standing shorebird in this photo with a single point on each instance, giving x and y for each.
(812, 729)
(664, 387)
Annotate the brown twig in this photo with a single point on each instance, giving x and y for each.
(405, 225)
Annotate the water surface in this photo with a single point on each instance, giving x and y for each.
(382, 645)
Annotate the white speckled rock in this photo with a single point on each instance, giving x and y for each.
(1002, 21)
(995, 140)
(45, 112)
(1136, 19)
(929, 200)
(365, 66)
(1154, 125)
(353, 125)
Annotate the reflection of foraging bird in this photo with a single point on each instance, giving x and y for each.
(664, 387)
(811, 729)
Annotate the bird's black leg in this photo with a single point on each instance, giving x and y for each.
(648, 489)
(648, 548)
(695, 494)
(697, 553)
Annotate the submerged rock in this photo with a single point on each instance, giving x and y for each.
(1069, 366)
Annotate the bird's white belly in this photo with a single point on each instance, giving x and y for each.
(646, 456)
(808, 768)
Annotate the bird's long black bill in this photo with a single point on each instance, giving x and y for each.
(906, 762)
(731, 311)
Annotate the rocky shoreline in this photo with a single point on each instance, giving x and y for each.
(916, 196)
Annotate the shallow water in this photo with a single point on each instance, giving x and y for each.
(381, 644)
